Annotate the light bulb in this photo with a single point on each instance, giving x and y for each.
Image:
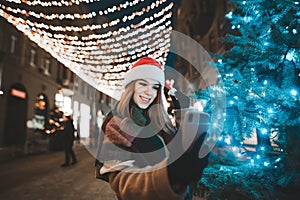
(293, 92)
(266, 163)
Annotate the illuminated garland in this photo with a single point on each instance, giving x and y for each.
(105, 56)
(90, 15)
(37, 26)
(101, 59)
(132, 42)
(53, 3)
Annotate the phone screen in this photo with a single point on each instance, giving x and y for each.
(192, 123)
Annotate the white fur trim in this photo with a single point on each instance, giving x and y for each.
(143, 72)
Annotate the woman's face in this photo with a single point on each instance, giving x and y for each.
(145, 91)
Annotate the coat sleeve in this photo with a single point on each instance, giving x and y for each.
(147, 184)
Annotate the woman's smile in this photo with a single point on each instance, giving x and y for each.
(145, 99)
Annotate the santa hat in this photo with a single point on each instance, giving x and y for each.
(145, 68)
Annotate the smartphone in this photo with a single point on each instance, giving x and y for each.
(192, 124)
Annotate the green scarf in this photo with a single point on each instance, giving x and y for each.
(139, 115)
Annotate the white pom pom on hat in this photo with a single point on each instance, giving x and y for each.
(145, 67)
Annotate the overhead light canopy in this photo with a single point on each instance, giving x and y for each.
(97, 40)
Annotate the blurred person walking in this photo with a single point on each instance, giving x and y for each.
(68, 140)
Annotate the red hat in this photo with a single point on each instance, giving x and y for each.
(145, 68)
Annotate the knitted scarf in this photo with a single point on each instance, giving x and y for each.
(139, 115)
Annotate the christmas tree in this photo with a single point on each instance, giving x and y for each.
(260, 73)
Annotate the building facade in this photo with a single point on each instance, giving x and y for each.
(32, 84)
(204, 21)
(30, 79)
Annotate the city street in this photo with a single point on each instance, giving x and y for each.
(41, 177)
(199, 98)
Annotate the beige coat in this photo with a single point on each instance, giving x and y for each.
(151, 184)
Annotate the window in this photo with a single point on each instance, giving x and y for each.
(65, 73)
(72, 77)
(65, 80)
(88, 93)
(13, 44)
(58, 72)
(47, 69)
(82, 87)
(32, 58)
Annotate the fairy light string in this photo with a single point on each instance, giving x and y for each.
(98, 44)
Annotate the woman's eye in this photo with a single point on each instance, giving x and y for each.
(155, 87)
(142, 84)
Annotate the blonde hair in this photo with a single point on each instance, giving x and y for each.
(157, 115)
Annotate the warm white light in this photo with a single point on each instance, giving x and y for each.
(97, 56)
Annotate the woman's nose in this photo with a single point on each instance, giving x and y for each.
(148, 90)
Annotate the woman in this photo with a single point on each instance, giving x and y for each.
(137, 152)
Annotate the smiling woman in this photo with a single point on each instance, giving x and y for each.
(138, 143)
